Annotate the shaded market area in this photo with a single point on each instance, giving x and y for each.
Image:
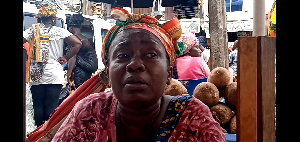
(240, 89)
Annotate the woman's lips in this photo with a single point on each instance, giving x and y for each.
(136, 82)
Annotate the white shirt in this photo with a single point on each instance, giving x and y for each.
(53, 70)
(205, 55)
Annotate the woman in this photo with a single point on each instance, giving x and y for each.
(139, 54)
(85, 63)
(45, 61)
(189, 64)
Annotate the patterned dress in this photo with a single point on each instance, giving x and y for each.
(186, 119)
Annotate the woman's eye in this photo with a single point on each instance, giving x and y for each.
(122, 56)
(151, 55)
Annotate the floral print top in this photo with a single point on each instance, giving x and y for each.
(92, 119)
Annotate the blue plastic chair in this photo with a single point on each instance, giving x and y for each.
(230, 137)
(191, 84)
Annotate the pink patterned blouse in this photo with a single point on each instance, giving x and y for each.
(93, 120)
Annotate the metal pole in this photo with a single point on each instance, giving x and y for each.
(259, 18)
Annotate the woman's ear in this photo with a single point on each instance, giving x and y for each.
(170, 76)
(104, 76)
(107, 75)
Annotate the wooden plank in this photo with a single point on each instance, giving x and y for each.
(247, 90)
(256, 89)
(266, 89)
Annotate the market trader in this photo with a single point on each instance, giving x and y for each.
(139, 55)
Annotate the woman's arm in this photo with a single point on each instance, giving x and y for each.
(75, 45)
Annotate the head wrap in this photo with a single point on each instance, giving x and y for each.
(186, 42)
(168, 33)
(47, 9)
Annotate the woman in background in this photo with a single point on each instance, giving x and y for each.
(44, 70)
(85, 62)
(189, 64)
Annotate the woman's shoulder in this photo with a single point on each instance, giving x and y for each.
(198, 105)
(191, 100)
(182, 98)
(192, 104)
(97, 98)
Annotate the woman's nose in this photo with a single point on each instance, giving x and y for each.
(135, 64)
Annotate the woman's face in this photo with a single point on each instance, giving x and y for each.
(138, 68)
(195, 51)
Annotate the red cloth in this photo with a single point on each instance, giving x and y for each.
(26, 46)
(93, 119)
(191, 68)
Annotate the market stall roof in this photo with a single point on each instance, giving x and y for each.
(148, 3)
(127, 3)
(171, 3)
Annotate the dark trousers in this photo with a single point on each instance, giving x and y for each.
(45, 99)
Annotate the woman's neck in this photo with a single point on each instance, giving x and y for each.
(140, 125)
(77, 32)
(141, 117)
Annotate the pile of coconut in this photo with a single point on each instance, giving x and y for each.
(219, 93)
(219, 87)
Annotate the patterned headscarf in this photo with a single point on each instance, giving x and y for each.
(168, 33)
(47, 9)
(186, 42)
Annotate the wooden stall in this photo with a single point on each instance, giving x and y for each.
(256, 89)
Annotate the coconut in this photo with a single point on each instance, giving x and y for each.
(222, 113)
(175, 88)
(219, 76)
(207, 93)
(233, 125)
(230, 94)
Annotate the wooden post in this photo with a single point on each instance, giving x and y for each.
(256, 89)
(24, 93)
(218, 34)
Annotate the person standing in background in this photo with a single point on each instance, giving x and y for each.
(85, 63)
(45, 61)
(233, 57)
(189, 64)
(201, 43)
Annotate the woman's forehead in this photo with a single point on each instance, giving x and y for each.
(135, 35)
(135, 32)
